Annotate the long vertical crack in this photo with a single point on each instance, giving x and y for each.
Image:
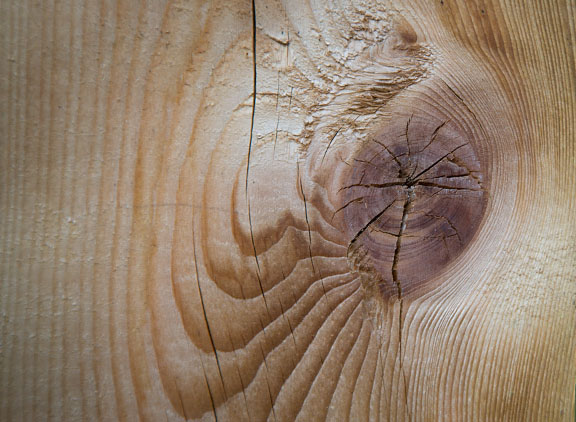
(212, 342)
(258, 269)
(405, 211)
(414, 177)
(254, 79)
(309, 230)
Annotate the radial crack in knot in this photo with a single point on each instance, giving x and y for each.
(411, 202)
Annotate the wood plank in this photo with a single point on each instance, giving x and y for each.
(354, 210)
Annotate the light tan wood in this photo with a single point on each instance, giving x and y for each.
(169, 249)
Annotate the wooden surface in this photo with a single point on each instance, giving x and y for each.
(170, 172)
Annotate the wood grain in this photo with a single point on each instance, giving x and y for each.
(171, 173)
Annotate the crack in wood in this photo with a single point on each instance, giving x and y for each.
(210, 336)
(410, 177)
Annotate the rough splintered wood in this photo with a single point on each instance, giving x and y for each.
(180, 238)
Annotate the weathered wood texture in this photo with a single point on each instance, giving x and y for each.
(171, 246)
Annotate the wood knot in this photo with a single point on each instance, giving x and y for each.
(412, 199)
(405, 34)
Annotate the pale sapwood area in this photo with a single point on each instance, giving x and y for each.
(176, 243)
